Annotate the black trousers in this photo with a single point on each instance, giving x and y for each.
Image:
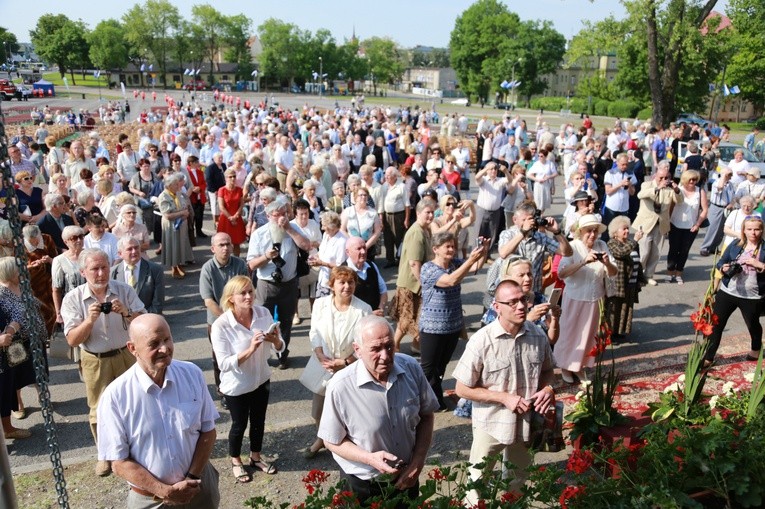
(393, 233)
(216, 369)
(280, 299)
(199, 215)
(680, 242)
(248, 408)
(435, 353)
(365, 490)
(725, 305)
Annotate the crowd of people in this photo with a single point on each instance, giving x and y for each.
(316, 197)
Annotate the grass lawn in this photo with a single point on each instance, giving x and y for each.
(88, 81)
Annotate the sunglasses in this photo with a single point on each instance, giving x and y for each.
(451, 204)
(77, 237)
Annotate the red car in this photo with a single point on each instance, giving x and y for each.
(195, 85)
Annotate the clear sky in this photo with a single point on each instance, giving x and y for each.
(424, 22)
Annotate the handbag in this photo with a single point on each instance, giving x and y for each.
(15, 353)
(59, 348)
(315, 377)
(302, 263)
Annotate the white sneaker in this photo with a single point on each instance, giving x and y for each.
(296, 320)
(652, 281)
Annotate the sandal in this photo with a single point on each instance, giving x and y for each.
(241, 474)
(266, 468)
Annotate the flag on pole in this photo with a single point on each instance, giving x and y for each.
(198, 71)
(516, 84)
(726, 91)
(504, 84)
(254, 73)
(186, 72)
(735, 90)
(143, 67)
(712, 87)
(96, 74)
(151, 67)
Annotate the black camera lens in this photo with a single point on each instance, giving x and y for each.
(734, 269)
(106, 307)
(277, 275)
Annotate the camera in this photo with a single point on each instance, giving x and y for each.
(734, 269)
(540, 221)
(106, 307)
(599, 255)
(398, 464)
(277, 274)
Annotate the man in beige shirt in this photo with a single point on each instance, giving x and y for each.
(656, 199)
(96, 318)
(506, 370)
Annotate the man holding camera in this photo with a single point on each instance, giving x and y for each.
(527, 237)
(619, 186)
(656, 197)
(96, 318)
(273, 252)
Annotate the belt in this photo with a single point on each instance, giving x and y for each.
(146, 493)
(394, 213)
(721, 206)
(103, 355)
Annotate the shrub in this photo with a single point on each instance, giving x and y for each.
(623, 109)
(600, 107)
(645, 114)
(760, 124)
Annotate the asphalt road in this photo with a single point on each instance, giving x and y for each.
(661, 322)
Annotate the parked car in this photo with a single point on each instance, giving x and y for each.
(295, 89)
(692, 118)
(195, 85)
(462, 101)
(504, 106)
(727, 151)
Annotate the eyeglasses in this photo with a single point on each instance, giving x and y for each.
(693, 180)
(129, 213)
(76, 237)
(665, 178)
(451, 204)
(26, 178)
(514, 302)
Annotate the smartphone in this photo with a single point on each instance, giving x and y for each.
(478, 242)
(398, 464)
(555, 296)
(272, 327)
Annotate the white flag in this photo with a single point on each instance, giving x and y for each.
(186, 72)
(143, 67)
(198, 71)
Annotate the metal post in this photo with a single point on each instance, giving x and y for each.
(321, 75)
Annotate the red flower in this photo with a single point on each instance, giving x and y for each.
(344, 498)
(707, 330)
(509, 497)
(436, 475)
(570, 493)
(580, 461)
(480, 505)
(313, 479)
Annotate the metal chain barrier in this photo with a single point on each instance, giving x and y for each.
(38, 335)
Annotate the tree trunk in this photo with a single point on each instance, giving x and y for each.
(654, 80)
(71, 73)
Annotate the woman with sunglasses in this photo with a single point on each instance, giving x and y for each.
(743, 287)
(685, 222)
(31, 206)
(454, 217)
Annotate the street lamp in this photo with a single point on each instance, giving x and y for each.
(321, 75)
(513, 80)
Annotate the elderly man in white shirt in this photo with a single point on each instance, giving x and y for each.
(394, 209)
(157, 424)
(489, 200)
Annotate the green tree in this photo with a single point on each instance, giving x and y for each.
(149, 28)
(488, 41)
(8, 41)
(474, 46)
(746, 67)
(181, 44)
(59, 40)
(281, 50)
(351, 65)
(384, 60)
(237, 35)
(108, 48)
(435, 57)
(209, 27)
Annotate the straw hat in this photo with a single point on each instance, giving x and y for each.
(589, 220)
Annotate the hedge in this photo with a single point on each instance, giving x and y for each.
(623, 109)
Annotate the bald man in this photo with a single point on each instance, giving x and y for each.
(156, 424)
(371, 287)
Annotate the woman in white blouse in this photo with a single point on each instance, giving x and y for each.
(584, 273)
(358, 220)
(331, 251)
(333, 322)
(242, 346)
